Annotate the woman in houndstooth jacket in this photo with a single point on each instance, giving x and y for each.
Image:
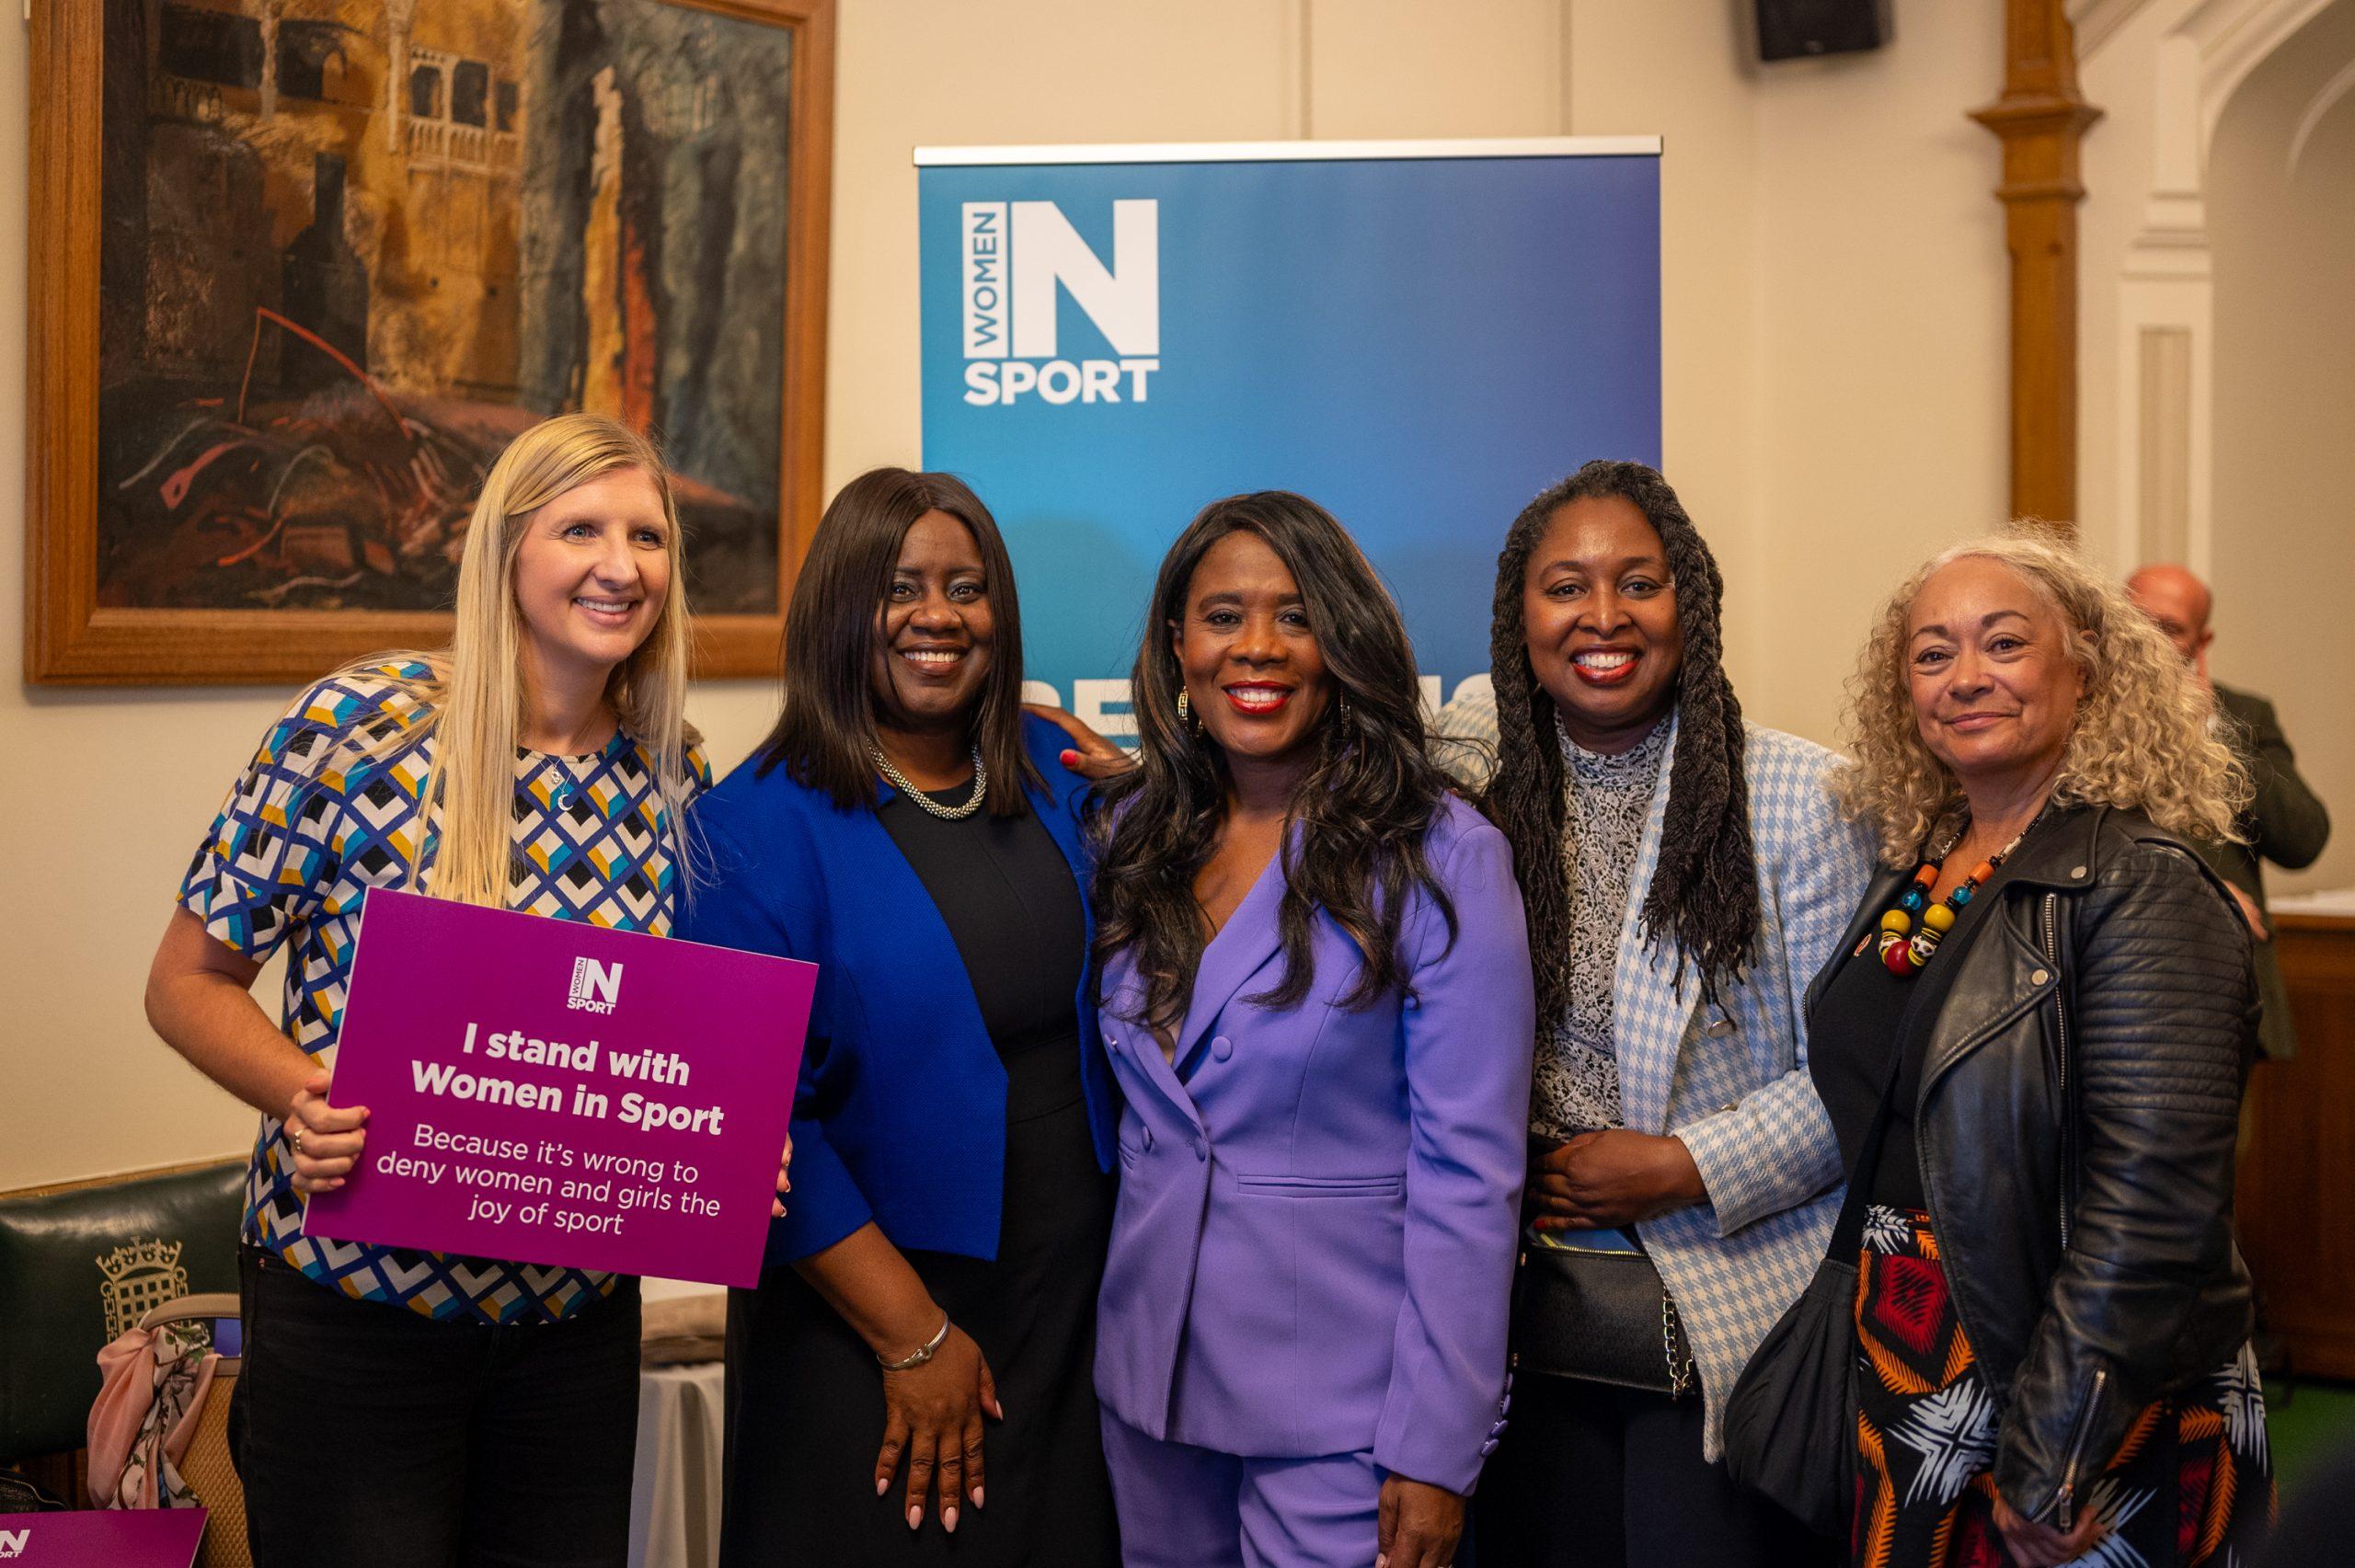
(1684, 875)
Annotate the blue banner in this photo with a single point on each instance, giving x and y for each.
(1418, 336)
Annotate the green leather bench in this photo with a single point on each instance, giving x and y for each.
(80, 1262)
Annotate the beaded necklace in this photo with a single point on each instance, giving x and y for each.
(1904, 949)
(946, 813)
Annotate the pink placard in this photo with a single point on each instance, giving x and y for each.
(130, 1537)
(550, 1091)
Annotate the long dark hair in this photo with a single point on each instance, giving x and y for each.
(1704, 893)
(825, 736)
(1361, 812)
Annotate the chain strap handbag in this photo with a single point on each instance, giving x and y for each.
(1591, 1304)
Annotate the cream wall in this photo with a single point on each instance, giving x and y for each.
(2196, 223)
(1886, 352)
(1834, 383)
(2285, 407)
(1835, 312)
(2117, 161)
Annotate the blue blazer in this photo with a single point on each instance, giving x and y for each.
(900, 1115)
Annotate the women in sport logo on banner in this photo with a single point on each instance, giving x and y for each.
(1017, 254)
(1114, 337)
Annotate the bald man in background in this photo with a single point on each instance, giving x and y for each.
(2284, 822)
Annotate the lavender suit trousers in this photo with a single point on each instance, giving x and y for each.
(1182, 1506)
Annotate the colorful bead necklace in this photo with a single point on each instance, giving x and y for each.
(1904, 949)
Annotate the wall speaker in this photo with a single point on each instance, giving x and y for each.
(1791, 30)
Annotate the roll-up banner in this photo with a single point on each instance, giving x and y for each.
(1418, 334)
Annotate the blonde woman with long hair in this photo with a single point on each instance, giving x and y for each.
(2031, 1047)
(429, 1409)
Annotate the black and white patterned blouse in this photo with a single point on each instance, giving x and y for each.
(1577, 1087)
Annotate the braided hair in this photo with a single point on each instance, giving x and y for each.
(1704, 893)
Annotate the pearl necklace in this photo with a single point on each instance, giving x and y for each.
(946, 813)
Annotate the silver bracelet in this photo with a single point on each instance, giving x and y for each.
(922, 1353)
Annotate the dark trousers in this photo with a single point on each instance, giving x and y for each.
(1592, 1476)
(372, 1436)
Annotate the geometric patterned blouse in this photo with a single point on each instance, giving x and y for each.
(309, 828)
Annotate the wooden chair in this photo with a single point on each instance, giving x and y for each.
(205, 1465)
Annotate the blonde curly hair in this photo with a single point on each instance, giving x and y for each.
(2142, 738)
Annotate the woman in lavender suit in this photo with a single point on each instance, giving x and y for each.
(1316, 998)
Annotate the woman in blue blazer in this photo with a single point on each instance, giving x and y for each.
(1316, 998)
(908, 830)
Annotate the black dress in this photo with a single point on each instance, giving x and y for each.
(801, 1491)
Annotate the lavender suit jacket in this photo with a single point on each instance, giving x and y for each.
(1313, 1248)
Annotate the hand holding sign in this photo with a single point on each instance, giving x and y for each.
(326, 1139)
(528, 1105)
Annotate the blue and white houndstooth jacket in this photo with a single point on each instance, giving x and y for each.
(1733, 1084)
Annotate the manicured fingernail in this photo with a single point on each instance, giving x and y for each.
(948, 1518)
(977, 1497)
(882, 1484)
(1070, 759)
(916, 1517)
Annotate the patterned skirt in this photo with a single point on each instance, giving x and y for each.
(2192, 1484)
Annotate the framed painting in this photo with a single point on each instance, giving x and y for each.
(301, 268)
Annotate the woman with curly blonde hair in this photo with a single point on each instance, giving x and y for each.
(2141, 739)
(2031, 1047)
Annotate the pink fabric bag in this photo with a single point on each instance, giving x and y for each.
(153, 1384)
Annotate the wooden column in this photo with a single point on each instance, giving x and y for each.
(2040, 118)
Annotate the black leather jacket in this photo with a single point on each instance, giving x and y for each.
(2115, 979)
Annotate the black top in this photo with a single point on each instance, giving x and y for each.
(1855, 1028)
(1006, 895)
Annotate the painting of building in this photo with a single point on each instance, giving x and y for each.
(350, 247)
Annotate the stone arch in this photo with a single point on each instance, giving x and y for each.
(2167, 70)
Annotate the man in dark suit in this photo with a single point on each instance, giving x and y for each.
(2284, 822)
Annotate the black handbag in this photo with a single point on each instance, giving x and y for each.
(1599, 1314)
(1790, 1424)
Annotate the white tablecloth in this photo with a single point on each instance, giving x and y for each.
(674, 1495)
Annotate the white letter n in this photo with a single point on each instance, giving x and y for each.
(1124, 302)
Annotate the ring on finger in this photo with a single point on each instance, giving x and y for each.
(294, 1141)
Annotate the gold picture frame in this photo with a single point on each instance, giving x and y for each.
(300, 268)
